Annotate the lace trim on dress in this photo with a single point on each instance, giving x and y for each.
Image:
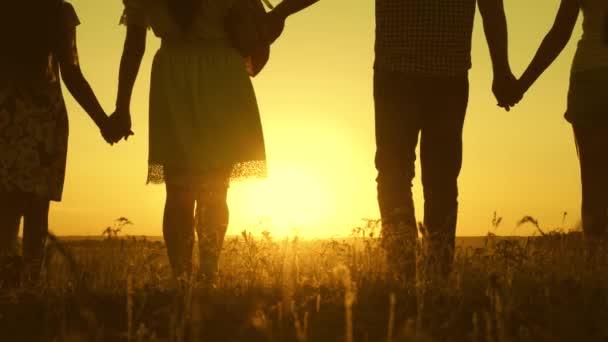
(249, 169)
(240, 171)
(156, 174)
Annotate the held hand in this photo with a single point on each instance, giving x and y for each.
(506, 90)
(109, 132)
(123, 122)
(118, 126)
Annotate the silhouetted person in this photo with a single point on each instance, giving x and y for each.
(38, 40)
(205, 128)
(587, 101)
(423, 54)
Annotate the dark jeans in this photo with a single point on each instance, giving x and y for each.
(592, 144)
(434, 108)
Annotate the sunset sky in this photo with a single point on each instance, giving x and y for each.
(315, 97)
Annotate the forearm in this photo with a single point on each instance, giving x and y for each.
(281, 11)
(80, 89)
(286, 8)
(554, 43)
(495, 28)
(551, 47)
(129, 68)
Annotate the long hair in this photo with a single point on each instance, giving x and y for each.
(29, 33)
(183, 12)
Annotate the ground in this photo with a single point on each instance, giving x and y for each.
(545, 288)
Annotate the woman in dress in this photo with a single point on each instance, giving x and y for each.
(34, 121)
(587, 101)
(205, 128)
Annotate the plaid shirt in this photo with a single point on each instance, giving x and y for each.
(429, 37)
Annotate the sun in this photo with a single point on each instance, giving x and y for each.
(291, 198)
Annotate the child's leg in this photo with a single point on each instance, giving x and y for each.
(178, 228)
(213, 216)
(35, 231)
(592, 142)
(11, 211)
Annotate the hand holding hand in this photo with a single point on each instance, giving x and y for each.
(122, 120)
(117, 126)
(506, 89)
(108, 132)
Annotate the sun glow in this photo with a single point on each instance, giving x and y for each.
(291, 198)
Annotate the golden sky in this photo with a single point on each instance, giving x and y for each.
(316, 101)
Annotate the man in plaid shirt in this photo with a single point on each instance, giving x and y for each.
(423, 54)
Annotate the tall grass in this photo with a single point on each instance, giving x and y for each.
(545, 288)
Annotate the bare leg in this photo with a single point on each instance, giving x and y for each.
(213, 216)
(592, 144)
(178, 228)
(35, 230)
(10, 217)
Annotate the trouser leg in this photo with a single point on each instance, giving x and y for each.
(441, 161)
(397, 126)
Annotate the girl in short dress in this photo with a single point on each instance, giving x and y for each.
(33, 118)
(205, 128)
(587, 102)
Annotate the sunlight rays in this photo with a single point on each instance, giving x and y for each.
(291, 198)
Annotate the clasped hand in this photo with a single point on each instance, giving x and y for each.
(507, 90)
(117, 126)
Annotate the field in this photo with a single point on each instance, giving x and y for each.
(118, 288)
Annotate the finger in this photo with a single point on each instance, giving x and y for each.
(505, 106)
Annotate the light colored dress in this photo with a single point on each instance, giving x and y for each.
(203, 111)
(34, 125)
(587, 97)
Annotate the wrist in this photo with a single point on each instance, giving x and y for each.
(502, 71)
(100, 120)
(122, 107)
(525, 82)
(282, 11)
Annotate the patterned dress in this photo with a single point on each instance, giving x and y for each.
(34, 130)
(203, 111)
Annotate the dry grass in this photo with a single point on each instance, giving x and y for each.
(546, 288)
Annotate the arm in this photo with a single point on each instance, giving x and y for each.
(132, 55)
(75, 82)
(288, 7)
(554, 43)
(278, 15)
(495, 28)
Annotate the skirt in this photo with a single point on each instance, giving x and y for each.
(588, 98)
(203, 114)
